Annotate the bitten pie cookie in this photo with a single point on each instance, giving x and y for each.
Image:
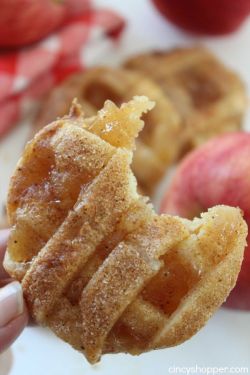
(209, 97)
(97, 264)
(158, 144)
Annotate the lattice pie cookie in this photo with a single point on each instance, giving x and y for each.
(97, 264)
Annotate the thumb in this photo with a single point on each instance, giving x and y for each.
(13, 314)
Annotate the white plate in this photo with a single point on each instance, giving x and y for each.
(224, 344)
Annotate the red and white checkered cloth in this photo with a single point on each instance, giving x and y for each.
(28, 73)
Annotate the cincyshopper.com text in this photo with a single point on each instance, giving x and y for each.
(203, 370)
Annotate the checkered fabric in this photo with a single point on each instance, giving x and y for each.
(27, 74)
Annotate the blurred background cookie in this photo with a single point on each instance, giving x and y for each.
(160, 141)
(209, 97)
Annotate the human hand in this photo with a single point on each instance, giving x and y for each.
(13, 312)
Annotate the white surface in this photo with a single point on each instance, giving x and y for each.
(225, 341)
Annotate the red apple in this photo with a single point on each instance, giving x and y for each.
(205, 16)
(77, 6)
(216, 173)
(26, 21)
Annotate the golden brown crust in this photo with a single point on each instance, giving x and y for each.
(220, 242)
(210, 98)
(97, 265)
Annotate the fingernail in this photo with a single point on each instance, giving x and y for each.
(11, 302)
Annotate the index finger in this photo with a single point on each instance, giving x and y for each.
(4, 234)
